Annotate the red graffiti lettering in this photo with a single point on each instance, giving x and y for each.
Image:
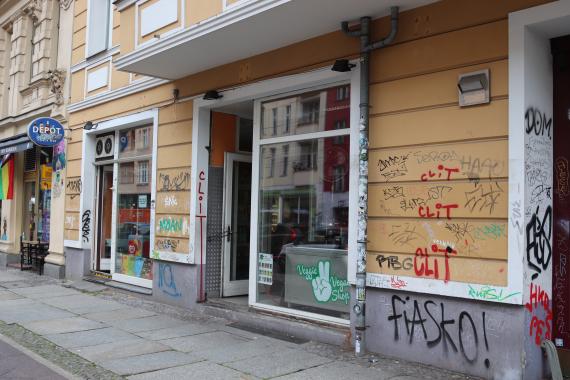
(424, 212)
(437, 174)
(422, 262)
(540, 326)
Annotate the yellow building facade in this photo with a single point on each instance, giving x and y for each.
(213, 153)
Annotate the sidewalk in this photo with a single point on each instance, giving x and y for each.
(95, 332)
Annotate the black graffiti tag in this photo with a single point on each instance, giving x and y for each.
(86, 225)
(538, 247)
(537, 122)
(177, 182)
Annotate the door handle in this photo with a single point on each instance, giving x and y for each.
(229, 233)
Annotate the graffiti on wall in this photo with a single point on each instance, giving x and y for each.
(176, 181)
(86, 225)
(462, 333)
(166, 280)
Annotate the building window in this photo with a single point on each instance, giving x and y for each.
(342, 93)
(338, 179)
(310, 111)
(339, 124)
(274, 121)
(99, 26)
(285, 160)
(271, 162)
(142, 177)
(308, 156)
(287, 119)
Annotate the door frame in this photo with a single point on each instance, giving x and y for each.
(96, 252)
(236, 287)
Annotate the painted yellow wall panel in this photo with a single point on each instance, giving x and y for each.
(78, 55)
(463, 47)
(174, 156)
(473, 200)
(176, 112)
(440, 124)
(173, 202)
(434, 89)
(73, 168)
(80, 22)
(127, 30)
(158, 32)
(119, 79)
(199, 10)
(93, 69)
(116, 18)
(116, 37)
(441, 163)
(74, 150)
(75, 134)
(71, 221)
(174, 179)
(171, 244)
(77, 86)
(476, 239)
(490, 272)
(78, 39)
(71, 234)
(72, 202)
(79, 6)
(172, 225)
(175, 133)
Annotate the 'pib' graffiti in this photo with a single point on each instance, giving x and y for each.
(462, 333)
(540, 326)
(422, 262)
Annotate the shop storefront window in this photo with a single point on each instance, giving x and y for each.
(132, 250)
(303, 211)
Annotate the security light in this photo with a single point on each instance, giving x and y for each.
(473, 88)
(212, 95)
(89, 126)
(342, 65)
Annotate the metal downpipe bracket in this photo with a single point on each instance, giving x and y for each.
(366, 47)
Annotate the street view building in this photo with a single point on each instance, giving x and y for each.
(214, 153)
(34, 68)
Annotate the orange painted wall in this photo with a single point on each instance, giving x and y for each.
(223, 137)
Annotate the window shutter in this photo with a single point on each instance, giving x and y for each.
(98, 25)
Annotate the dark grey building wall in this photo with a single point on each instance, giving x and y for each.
(215, 231)
(479, 338)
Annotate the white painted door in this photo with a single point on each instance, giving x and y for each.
(236, 224)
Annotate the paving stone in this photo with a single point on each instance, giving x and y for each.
(175, 332)
(6, 295)
(339, 371)
(89, 337)
(45, 291)
(278, 363)
(154, 322)
(149, 362)
(30, 311)
(202, 342)
(117, 315)
(87, 286)
(120, 349)
(83, 304)
(9, 276)
(198, 371)
(235, 352)
(63, 325)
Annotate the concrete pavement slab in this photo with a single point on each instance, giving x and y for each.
(120, 349)
(202, 342)
(232, 353)
(89, 337)
(149, 362)
(9, 276)
(45, 291)
(278, 363)
(31, 312)
(187, 329)
(6, 295)
(83, 304)
(339, 371)
(86, 286)
(197, 371)
(63, 325)
(154, 322)
(119, 314)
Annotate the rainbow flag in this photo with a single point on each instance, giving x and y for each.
(7, 177)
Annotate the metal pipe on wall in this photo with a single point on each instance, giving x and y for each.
(366, 47)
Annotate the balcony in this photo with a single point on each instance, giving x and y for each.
(173, 50)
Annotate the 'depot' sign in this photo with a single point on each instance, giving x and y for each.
(45, 131)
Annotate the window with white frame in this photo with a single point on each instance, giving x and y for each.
(142, 175)
(98, 26)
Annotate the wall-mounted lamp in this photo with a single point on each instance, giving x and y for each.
(473, 88)
(89, 126)
(212, 95)
(342, 65)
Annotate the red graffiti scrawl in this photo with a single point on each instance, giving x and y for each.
(540, 327)
(422, 262)
(441, 173)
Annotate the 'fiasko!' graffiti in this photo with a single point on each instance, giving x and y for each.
(326, 287)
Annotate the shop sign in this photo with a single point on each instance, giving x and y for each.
(45, 131)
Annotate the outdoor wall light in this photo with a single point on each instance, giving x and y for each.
(473, 88)
(89, 126)
(212, 95)
(342, 66)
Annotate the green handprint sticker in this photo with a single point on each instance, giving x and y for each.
(326, 286)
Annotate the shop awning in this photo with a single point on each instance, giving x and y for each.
(245, 31)
(15, 144)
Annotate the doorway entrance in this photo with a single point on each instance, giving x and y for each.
(102, 260)
(237, 223)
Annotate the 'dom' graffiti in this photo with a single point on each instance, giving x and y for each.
(428, 322)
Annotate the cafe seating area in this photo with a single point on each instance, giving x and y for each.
(32, 255)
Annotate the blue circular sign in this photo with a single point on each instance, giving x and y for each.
(45, 131)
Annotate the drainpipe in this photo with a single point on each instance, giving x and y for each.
(362, 239)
